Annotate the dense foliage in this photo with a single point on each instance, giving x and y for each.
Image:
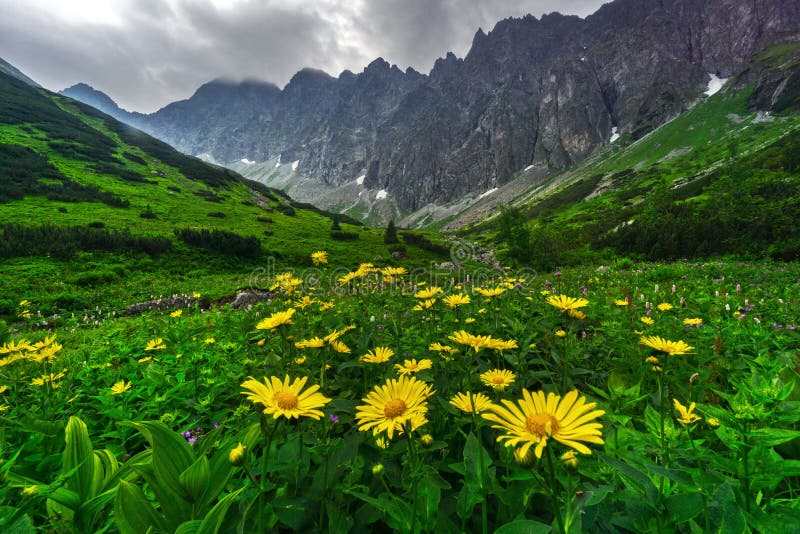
(689, 372)
(220, 241)
(18, 240)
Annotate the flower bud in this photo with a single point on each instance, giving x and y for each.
(238, 455)
(570, 460)
(526, 460)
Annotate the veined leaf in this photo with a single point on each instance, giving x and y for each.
(79, 458)
(133, 513)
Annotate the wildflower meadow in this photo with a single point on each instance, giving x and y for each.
(650, 398)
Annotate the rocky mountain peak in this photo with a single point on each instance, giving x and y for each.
(532, 94)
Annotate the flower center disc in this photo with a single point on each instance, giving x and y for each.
(394, 408)
(499, 380)
(286, 400)
(541, 424)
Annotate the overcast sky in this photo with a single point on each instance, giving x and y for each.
(148, 53)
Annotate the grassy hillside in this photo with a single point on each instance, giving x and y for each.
(89, 208)
(718, 179)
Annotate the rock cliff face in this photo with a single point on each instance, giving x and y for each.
(536, 94)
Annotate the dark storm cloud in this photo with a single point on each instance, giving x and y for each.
(145, 54)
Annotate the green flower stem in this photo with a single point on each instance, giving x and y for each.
(481, 467)
(746, 461)
(570, 515)
(268, 435)
(412, 466)
(551, 472)
(299, 457)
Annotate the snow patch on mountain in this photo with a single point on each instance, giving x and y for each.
(714, 84)
(487, 193)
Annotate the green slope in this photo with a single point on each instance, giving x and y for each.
(89, 207)
(718, 179)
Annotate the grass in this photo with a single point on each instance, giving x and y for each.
(175, 192)
(689, 157)
(182, 403)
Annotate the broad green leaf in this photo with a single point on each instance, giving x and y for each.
(770, 437)
(292, 512)
(724, 513)
(188, 527)
(79, 458)
(194, 480)
(683, 506)
(429, 493)
(175, 508)
(632, 477)
(133, 513)
(215, 518)
(524, 526)
(107, 465)
(19, 524)
(66, 498)
(171, 454)
(473, 451)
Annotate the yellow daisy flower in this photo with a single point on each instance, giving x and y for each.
(412, 366)
(491, 292)
(425, 305)
(664, 306)
(377, 355)
(565, 303)
(155, 344)
(313, 343)
(176, 313)
(647, 320)
(339, 347)
(463, 337)
(471, 402)
(665, 345)
(393, 405)
(532, 420)
(319, 257)
(687, 415)
(577, 314)
(120, 387)
(453, 301)
(693, 321)
(498, 379)
(276, 319)
(282, 399)
(428, 292)
(438, 347)
(304, 302)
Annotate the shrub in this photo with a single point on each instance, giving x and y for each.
(220, 241)
(344, 236)
(390, 237)
(420, 241)
(148, 213)
(17, 240)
